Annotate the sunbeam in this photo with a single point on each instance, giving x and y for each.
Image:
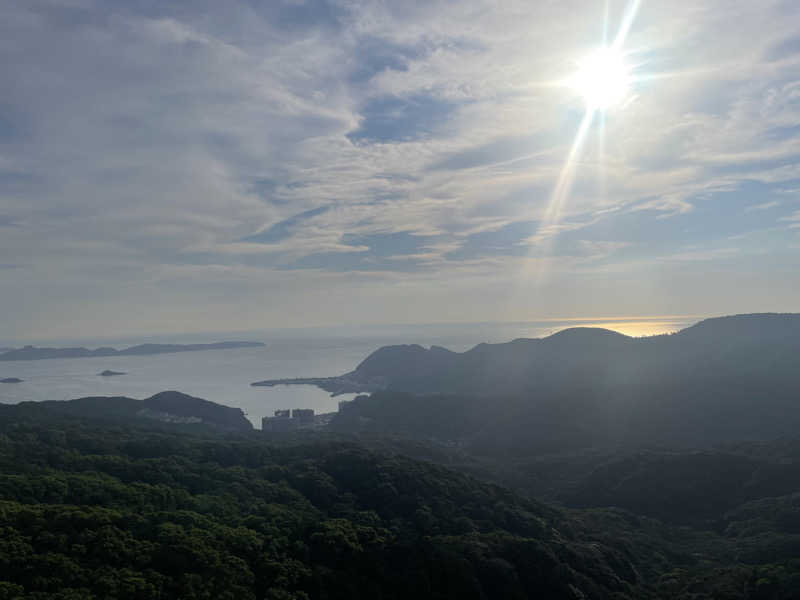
(603, 80)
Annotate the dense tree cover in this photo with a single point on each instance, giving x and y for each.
(696, 488)
(742, 502)
(120, 508)
(172, 409)
(672, 483)
(103, 512)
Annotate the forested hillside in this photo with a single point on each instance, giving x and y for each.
(93, 509)
(722, 380)
(115, 513)
(168, 409)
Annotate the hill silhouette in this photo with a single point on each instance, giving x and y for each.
(169, 408)
(723, 379)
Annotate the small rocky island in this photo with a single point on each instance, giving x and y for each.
(109, 373)
(11, 380)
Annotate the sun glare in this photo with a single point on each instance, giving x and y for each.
(602, 79)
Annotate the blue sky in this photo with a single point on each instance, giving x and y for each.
(190, 166)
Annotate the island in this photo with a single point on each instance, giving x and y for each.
(109, 373)
(35, 353)
(11, 380)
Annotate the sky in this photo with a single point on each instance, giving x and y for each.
(208, 166)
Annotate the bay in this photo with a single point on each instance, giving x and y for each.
(224, 376)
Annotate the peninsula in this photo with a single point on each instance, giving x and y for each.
(34, 353)
(350, 383)
(766, 343)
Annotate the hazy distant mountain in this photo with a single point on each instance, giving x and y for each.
(722, 379)
(34, 353)
(590, 356)
(170, 407)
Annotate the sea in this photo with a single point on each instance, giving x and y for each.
(224, 376)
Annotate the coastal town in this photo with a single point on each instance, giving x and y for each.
(298, 418)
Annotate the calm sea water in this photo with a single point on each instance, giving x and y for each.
(224, 376)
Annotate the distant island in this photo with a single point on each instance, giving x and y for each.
(34, 353)
(11, 380)
(109, 373)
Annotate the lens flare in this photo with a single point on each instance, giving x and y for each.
(602, 79)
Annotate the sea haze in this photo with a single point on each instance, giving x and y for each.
(224, 376)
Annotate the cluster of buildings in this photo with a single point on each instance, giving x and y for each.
(289, 420)
(300, 418)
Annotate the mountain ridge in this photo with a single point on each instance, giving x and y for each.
(487, 368)
(585, 387)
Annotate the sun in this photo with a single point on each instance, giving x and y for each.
(602, 79)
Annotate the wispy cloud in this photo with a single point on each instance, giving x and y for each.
(793, 219)
(763, 206)
(326, 146)
(284, 229)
